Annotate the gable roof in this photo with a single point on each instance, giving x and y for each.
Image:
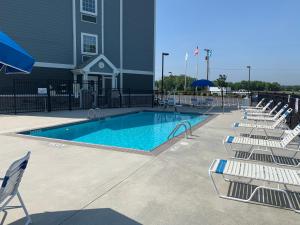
(86, 66)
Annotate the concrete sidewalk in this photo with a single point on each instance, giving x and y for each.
(75, 185)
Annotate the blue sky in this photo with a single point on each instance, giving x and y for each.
(262, 33)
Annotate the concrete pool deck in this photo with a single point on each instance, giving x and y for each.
(77, 185)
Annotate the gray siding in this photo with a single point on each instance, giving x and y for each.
(138, 82)
(40, 73)
(45, 29)
(112, 31)
(138, 34)
(42, 27)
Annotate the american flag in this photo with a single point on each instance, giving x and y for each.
(196, 52)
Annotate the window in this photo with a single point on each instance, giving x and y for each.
(89, 19)
(89, 44)
(89, 7)
(86, 58)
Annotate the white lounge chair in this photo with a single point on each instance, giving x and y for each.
(194, 101)
(173, 103)
(207, 102)
(260, 110)
(270, 114)
(258, 106)
(265, 118)
(254, 183)
(277, 127)
(161, 102)
(285, 147)
(10, 185)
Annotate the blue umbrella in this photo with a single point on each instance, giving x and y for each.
(203, 83)
(14, 58)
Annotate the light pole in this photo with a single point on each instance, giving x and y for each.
(162, 69)
(249, 82)
(208, 55)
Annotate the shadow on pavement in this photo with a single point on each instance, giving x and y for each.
(105, 216)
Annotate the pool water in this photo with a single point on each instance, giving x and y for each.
(143, 131)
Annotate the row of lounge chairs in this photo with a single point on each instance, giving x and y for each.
(264, 164)
(199, 102)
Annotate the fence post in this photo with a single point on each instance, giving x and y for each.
(153, 96)
(120, 94)
(129, 97)
(70, 94)
(48, 96)
(15, 98)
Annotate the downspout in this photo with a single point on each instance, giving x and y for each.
(74, 35)
(121, 45)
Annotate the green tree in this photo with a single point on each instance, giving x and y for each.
(221, 83)
(175, 82)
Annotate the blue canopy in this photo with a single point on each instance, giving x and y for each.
(203, 83)
(14, 58)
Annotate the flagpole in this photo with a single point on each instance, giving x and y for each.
(198, 67)
(185, 73)
(196, 53)
(197, 58)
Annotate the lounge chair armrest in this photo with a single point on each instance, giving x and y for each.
(212, 166)
(294, 144)
(291, 148)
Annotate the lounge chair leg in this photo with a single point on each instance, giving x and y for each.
(214, 184)
(225, 147)
(250, 134)
(294, 156)
(4, 217)
(28, 221)
(290, 201)
(266, 134)
(281, 164)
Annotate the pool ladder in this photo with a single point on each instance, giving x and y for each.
(187, 126)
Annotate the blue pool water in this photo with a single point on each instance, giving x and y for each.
(140, 131)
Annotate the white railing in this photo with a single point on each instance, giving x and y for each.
(94, 114)
(187, 126)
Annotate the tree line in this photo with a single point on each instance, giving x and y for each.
(177, 82)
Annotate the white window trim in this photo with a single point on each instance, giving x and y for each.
(92, 35)
(87, 12)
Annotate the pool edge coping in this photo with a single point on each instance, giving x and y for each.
(155, 152)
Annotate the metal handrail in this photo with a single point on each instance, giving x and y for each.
(190, 126)
(94, 113)
(177, 128)
(186, 124)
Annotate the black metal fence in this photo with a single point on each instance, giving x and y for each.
(19, 96)
(291, 99)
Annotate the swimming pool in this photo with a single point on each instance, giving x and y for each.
(144, 131)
